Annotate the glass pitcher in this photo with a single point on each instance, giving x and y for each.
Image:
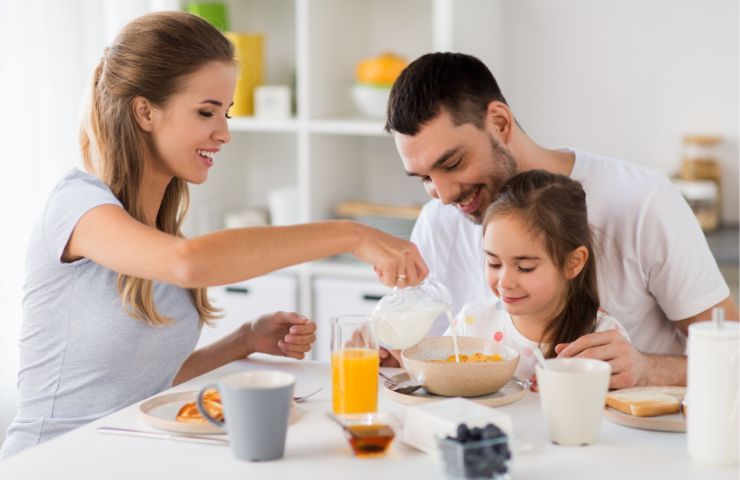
(403, 318)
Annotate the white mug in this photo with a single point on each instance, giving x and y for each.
(573, 395)
(713, 391)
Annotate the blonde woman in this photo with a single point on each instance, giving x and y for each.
(115, 296)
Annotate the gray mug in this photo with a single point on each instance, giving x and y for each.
(256, 409)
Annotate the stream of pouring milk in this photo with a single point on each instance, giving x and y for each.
(453, 329)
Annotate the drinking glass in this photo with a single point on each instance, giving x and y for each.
(354, 365)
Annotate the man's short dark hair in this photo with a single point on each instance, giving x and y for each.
(458, 83)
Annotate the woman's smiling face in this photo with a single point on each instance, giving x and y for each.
(191, 127)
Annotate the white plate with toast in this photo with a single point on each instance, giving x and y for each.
(646, 405)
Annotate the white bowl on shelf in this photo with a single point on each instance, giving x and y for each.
(371, 100)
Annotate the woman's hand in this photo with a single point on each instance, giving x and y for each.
(396, 261)
(281, 333)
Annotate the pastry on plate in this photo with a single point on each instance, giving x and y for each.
(212, 403)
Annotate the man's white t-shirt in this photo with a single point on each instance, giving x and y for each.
(653, 262)
(491, 321)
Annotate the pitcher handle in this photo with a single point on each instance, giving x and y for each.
(202, 409)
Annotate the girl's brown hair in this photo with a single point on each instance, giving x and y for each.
(554, 207)
(150, 58)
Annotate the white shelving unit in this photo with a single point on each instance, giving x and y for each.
(327, 150)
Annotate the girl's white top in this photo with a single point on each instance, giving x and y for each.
(490, 320)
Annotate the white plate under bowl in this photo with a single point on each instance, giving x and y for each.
(509, 393)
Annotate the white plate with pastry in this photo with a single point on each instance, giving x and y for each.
(648, 408)
(176, 412)
(162, 412)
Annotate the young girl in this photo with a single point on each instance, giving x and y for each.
(115, 297)
(540, 264)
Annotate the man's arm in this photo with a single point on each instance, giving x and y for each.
(673, 249)
(631, 367)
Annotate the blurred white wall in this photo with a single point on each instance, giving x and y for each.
(626, 78)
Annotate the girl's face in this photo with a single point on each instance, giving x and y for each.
(190, 129)
(520, 271)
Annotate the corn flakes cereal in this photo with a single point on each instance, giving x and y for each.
(476, 357)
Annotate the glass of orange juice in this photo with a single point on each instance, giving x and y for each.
(354, 365)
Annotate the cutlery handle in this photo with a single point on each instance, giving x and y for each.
(162, 436)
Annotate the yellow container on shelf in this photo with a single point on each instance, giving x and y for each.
(250, 55)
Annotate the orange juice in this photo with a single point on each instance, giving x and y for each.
(354, 374)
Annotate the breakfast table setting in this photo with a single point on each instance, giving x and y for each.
(316, 447)
(456, 410)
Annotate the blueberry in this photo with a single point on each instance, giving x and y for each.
(462, 432)
(491, 431)
(476, 433)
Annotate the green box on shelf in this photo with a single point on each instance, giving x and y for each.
(214, 12)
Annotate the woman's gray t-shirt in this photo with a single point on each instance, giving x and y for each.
(81, 355)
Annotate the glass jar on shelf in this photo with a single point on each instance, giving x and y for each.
(702, 197)
(701, 163)
(700, 157)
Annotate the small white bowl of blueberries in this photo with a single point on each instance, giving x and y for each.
(476, 453)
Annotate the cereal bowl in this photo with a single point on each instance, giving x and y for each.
(426, 363)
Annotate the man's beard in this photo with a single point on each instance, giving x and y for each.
(508, 168)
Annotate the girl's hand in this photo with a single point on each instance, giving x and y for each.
(281, 333)
(396, 261)
(390, 358)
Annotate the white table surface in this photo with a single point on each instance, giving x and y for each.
(317, 449)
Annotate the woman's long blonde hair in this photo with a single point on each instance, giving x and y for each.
(150, 58)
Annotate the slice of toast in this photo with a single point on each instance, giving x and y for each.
(643, 403)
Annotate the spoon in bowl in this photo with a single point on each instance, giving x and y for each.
(404, 387)
(540, 358)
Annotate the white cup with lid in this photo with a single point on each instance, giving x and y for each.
(713, 393)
